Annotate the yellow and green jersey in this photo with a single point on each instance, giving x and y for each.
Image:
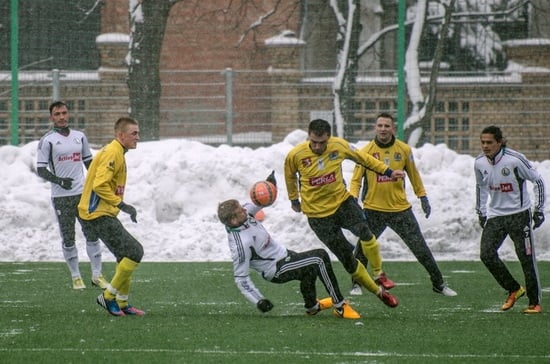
(383, 193)
(105, 183)
(317, 178)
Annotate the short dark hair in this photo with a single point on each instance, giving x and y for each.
(386, 116)
(496, 132)
(56, 104)
(319, 127)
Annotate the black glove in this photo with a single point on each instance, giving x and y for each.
(65, 183)
(264, 305)
(296, 205)
(482, 221)
(271, 178)
(129, 209)
(538, 218)
(426, 206)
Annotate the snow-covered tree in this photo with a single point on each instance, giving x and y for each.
(462, 19)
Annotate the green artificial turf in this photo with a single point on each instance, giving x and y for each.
(195, 314)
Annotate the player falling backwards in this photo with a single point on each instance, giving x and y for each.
(252, 247)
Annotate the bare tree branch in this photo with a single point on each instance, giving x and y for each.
(89, 11)
(257, 23)
(462, 17)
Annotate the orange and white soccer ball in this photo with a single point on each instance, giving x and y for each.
(263, 193)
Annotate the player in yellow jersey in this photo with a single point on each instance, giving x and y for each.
(101, 201)
(385, 202)
(313, 172)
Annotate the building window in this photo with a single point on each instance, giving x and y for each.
(465, 143)
(385, 106)
(452, 142)
(43, 105)
(29, 105)
(453, 124)
(465, 124)
(453, 106)
(439, 124)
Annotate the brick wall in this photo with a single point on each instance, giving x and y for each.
(271, 94)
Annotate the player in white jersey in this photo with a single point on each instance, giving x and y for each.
(61, 153)
(252, 247)
(501, 177)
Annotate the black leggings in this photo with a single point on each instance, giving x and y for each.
(518, 227)
(328, 229)
(306, 267)
(66, 212)
(404, 224)
(115, 237)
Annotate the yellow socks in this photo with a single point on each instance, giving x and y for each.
(371, 250)
(121, 281)
(362, 277)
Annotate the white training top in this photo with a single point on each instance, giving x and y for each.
(252, 247)
(64, 157)
(504, 179)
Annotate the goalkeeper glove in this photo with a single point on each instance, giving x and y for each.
(296, 205)
(426, 206)
(482, 221)
(129, 209)
(264, 305)
(271, 178)
(65, 183)
(538, 218)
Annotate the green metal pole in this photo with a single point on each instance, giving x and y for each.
(400, 69)
(14, 73)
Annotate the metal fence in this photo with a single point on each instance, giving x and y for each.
(255, 108)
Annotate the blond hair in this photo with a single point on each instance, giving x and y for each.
(227, 211)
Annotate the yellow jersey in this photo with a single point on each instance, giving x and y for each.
(318, 179)
(105, 183)
(384, 194)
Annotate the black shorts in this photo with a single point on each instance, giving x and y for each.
(115, 237)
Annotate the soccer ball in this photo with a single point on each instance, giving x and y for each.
(263, 193)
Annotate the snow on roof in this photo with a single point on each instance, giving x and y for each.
(113, 38)
(46, 76)
(286, 37)
(487, 79)
(527, 42)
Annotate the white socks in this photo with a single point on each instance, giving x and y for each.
(93, 248)
(71, 257)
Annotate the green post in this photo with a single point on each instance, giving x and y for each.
(400, 69)
(14, 73)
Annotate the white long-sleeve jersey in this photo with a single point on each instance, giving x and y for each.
(64, 157)
(252, 247)
(503, 179)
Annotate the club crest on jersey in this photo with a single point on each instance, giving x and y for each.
(333, 155)
(76, 141)
(306, 162)
(505, 171)
(320, 164)
(397, 156)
